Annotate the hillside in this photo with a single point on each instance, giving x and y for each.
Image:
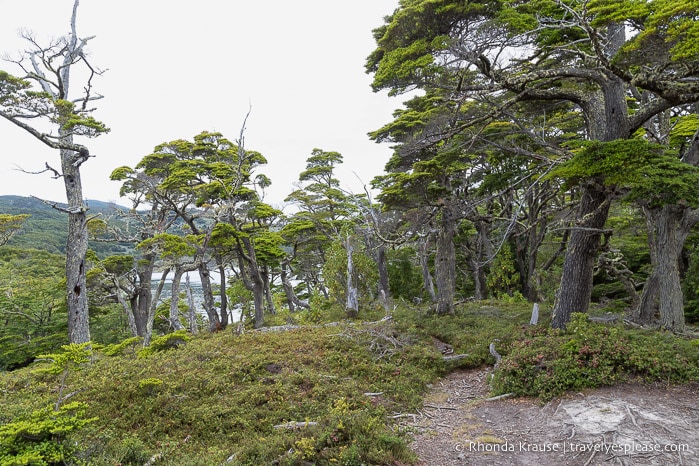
(342, 393)
(46, 228)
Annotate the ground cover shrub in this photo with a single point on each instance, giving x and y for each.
(546, 362)
(219, 397)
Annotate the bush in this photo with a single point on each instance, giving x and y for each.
(547, 362)
(40, 439)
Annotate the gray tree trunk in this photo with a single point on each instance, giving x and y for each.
(223, 296)
(208, 297)
(192, 313)
(427, 281)
(382, 265)
(578, 267)
(76, 249)
(352, 305)
(445, 263)
(292, 300)
(607, 117)
(174, 316)
(668, 228)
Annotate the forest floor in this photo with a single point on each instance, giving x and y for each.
(629, 424)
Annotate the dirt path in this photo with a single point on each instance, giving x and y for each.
(631, 424)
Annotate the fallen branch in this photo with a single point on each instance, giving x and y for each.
(293, 425)
(454, 357)
(441, 407)
(499, 397)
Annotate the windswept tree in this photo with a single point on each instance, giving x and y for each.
(206, 182)
(617, 64)
(43, 95)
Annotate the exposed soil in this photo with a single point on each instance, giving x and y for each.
(629, 424)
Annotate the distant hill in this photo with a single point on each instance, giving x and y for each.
(46, 228)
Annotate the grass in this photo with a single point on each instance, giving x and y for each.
(217, 398)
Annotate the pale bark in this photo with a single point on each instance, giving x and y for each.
(662, 297)
(352, 305)
(223, 310)
(208, 297)
(174, 316)
(192, 313)
(292, 300)
(427, 281)
(445, 263)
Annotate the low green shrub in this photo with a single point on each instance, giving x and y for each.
(41, 438)
(546, 362)
(165, 342)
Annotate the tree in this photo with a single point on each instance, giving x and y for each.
(50, 69)
(323, 211)
(9, 225)
(669, 202)
(207, 182)
(617, 64)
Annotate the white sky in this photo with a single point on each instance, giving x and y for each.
(176, 68)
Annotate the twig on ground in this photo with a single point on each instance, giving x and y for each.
(499, 397)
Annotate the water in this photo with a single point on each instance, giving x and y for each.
(197, 293)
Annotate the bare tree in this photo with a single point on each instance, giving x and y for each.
(49, 68)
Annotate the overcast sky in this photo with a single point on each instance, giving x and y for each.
(176, 68)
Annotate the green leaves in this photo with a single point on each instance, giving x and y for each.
(40, 439)
(652, 175)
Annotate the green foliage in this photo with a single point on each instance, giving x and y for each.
(652, 175)
(546, 362)
(122, 347)
(46, 228)
(41, 439)
(9, 225)
(335, 272)
(73, 356)
(229, 392)
(32, 305)
(404, 276)
(503, 279)
(166, 342)
(690, 284)
(76, 122)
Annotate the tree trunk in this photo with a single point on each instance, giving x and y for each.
(174, 317)
(153, 305)
(192, 314)
(208, 297)
(382, 265)
(606, 114)
(264, 272)
(128, 308)
(578, 267)
(352, 306)
(445, 263)
(76, 249)
(291, 298)
(224, 297)
(253, 281)
(668, 228)
(144, 295)
(427, 282)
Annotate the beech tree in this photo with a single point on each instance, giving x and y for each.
(617, 64)
(44, 94)
(9, 225)
(208, 184)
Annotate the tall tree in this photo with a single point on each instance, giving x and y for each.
(50, 69)
(586, 54)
